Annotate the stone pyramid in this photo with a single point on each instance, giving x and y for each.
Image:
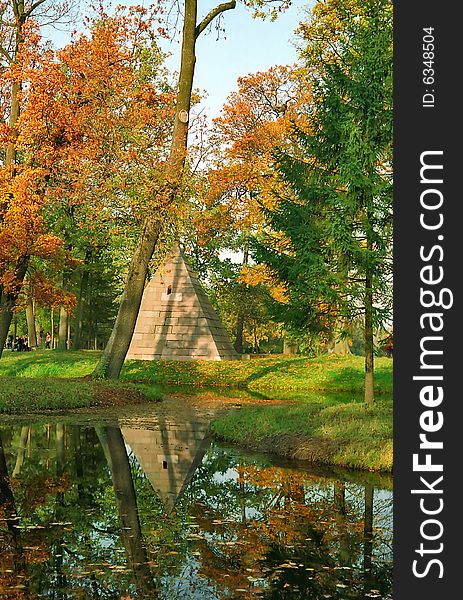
(176, 320)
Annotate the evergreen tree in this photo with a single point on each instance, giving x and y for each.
(336, 218)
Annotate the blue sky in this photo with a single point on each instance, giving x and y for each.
(248, 45)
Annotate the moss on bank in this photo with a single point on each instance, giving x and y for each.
(348, 435)
(28, 395)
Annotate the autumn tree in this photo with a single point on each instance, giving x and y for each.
(165, 190)
(108, 104)
(335, 218)
(23, 231)
(92, 131)
(253, 121)
(22, 187)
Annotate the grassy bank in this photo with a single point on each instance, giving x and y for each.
(323, 373)
(30, 395)
(344, 434)
(308, 408)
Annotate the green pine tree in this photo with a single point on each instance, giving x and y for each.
(337, 214)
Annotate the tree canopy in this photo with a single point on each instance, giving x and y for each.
(283, 202)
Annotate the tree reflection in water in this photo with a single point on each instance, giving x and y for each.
(163, 513)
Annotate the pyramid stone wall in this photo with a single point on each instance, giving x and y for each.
(176, 320)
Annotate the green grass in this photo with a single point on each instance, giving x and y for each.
(28, 395)
(47, 363)
(361, 436)
(326, 395)
(323, 373)
(31, 395)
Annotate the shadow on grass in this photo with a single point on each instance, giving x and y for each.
(281, 367)
(262, 397)
(47, 363)
(324, 376)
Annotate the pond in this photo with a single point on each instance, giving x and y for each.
(129, 510)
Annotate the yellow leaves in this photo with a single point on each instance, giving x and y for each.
(263, 275)
(48, 293)
(8, 279)
(88, 113)
(47, 246)
(23, 232)
(330, 23)
(255, 121)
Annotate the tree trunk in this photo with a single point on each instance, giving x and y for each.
(68, 333)
(369, 346)
(240, 318)
(62, 328)
(116, 456)
(112, 359)
(60, 446)
(239, 333)
(30, 318)
(368, 532)
(8, 301)
(21, 450)
(77, 339)
(63, 318)
(52, 332)
(340, 496)
(6, 495)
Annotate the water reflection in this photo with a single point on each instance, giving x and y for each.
(109, 512)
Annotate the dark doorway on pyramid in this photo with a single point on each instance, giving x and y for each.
(176, 320)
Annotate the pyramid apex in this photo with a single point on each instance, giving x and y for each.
(176, 320)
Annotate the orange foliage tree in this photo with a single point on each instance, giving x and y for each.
(103, 106)
(239, 185)
(91, 121)
(23, 183)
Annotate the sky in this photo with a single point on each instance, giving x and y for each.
(246, 46)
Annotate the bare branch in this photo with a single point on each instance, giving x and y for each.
(6, 54)
(215, 12)
(32, 8)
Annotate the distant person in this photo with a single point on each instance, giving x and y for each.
(389, 347)
(9, 343)
(47, 341)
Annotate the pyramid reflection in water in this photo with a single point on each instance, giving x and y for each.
(169, 456)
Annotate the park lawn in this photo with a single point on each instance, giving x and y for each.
(317, 411)
(323, 373)
(32, 395)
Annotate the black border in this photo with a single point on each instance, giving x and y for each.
(418, 129)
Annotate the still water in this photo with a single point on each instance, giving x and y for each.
(163, 512)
